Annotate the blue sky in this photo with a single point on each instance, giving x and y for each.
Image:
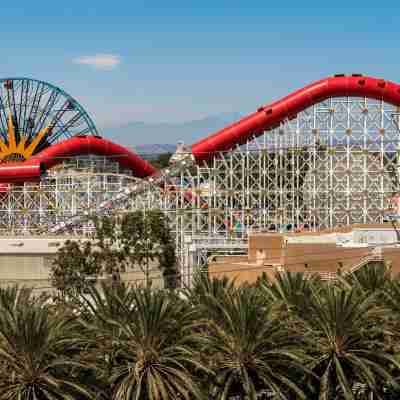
(169, 61)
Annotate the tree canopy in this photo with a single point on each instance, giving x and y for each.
(139, 240)
(291, 337)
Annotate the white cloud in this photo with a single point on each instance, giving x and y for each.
(99, 61)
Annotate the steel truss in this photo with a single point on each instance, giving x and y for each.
(334, 164)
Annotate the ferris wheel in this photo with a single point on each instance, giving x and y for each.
(34, 115)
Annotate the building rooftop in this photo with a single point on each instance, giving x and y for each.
(328, 253)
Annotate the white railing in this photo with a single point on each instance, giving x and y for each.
(375, 254)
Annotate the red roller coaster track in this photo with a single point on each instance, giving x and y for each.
(82, 145)
(269, 116)
(31, 169)
(266, 117)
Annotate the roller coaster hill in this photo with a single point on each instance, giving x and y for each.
(325, 156)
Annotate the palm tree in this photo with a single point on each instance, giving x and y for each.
(109, 302)
(249, 350)
(392, 295)
(346, 337)
(290, 293)
(203, 287)
(154, 352)
(391, 298)
(100, 309)
(37, 350)
(372, 278)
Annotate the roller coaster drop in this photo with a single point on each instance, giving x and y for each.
(324, 156)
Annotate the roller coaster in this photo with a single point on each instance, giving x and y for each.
(327, 155)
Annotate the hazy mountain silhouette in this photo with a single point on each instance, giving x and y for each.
(156, 138)
(140, 134)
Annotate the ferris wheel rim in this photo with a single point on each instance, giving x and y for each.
(76, 103)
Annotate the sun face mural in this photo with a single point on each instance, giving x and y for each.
(35, 115)
(19, 147)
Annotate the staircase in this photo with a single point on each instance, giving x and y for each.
(375, 255)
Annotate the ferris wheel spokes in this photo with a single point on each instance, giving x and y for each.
(35, 115)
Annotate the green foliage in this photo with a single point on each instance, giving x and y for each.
(291, 292)
(346, 341)
(38, 351)
(140, 239)
(162, 161)
(120, 243)
(75, 268)
(250, 350)
(149, 350)
(370, 280)
(288, 337)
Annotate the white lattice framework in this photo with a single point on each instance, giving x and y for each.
(334, 164)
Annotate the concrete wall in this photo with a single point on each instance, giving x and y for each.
(27, 261)
(25, 269)
(321, 257)
(240, 272)
(309, 252)
(266, 247)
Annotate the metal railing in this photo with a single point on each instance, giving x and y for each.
(375, 255)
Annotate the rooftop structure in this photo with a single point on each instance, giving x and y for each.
(327, 253)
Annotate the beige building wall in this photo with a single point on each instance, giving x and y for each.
(24, 269)
(27, 262)
(303, 252)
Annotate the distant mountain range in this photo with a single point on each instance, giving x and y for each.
(153, 150)
(145, 137)
(151, 139)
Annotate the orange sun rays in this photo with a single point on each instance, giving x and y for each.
(20, 149)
